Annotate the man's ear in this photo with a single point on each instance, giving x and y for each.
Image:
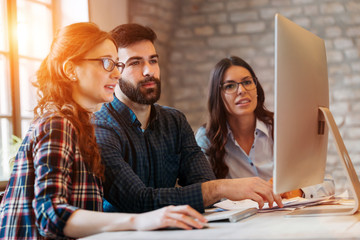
(69, 70)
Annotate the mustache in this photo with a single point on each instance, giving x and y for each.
(149, 79)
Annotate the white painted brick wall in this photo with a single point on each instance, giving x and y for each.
(195, 34)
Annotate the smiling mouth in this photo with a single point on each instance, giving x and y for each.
(110, 86)
(244, 101)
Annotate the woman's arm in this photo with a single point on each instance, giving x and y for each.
(83, 222)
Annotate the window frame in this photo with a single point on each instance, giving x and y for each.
(13, 59)
(14, 74)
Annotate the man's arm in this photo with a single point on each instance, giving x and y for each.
(234, 189)
(195, 168)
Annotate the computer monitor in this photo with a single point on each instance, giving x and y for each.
(302, 118)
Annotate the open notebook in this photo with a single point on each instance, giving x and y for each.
(238, 210)
(289, 204)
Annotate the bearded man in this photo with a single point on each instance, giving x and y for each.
(148, 148)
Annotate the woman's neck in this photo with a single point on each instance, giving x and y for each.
(243, 129)
(243, 126)
(86, 104)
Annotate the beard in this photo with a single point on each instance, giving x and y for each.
(142, 96)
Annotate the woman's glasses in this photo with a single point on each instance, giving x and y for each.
(232, 86)
(108, 64)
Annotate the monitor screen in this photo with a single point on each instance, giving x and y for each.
(301, 87)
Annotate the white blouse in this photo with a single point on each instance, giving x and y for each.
(259, 162)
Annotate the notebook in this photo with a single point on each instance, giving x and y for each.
(229, 215)
(289, 204)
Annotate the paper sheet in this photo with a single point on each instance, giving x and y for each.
(289, 204)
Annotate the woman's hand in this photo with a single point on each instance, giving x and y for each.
(183, 216)
(84, 222)
(292, 194)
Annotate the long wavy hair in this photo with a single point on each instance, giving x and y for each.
(216, 127)
(55, 88)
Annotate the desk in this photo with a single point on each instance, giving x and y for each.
(272, 225)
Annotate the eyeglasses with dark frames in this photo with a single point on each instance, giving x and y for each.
(230, 87)
(108, 64)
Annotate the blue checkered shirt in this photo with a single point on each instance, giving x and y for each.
(142, 167)
(50, 180)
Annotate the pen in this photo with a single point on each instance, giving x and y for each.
(243, 214)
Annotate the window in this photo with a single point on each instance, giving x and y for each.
(26, 32)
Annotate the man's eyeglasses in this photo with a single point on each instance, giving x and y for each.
(232, 86)
(108, 64)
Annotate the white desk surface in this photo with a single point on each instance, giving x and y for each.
(272, 225)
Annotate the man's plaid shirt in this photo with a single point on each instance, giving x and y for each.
(142, 167)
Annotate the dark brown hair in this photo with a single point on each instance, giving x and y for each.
(55, 88)
(130, 33)
(216, 127)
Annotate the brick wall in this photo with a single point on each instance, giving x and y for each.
(195, 34)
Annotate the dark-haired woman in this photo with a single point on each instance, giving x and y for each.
(55, 189)
(238, 137)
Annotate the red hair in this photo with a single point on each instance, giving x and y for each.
(55, 88)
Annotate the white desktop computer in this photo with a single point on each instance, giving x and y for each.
(302, 117)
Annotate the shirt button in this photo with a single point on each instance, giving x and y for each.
(311, 196)
(256, 133)
(252, 146)
(251, 164)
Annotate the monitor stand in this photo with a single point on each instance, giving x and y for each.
(350, 173)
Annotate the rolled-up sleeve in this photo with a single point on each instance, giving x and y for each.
(53, 158)
(326, 188)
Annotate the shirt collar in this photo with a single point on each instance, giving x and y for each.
(123, 111)
(260, 126)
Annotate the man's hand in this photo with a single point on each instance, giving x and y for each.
(253, 188)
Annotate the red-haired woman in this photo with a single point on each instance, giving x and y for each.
(55, 189)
